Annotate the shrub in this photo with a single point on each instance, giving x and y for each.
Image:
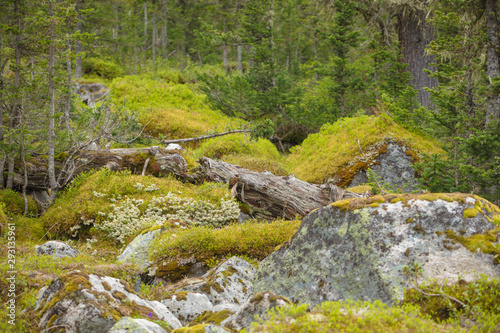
(255, 240)
(326, 153)
(101, 68)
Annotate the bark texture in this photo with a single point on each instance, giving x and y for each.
(493, 105)
(414, 35)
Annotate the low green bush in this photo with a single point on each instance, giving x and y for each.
(97, 67)
(14, 203)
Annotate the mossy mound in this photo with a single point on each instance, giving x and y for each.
(348, 317)
(14, 203)
(254, 240)
(171, 110)
(95, 195)
(239, 149)
(335, 152)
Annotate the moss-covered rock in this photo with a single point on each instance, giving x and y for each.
(130, 325)
(83, 302)
(187, 306)
(340, 150)
(357, 249)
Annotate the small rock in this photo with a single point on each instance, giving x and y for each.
(173, 146)
(187, 306)
(258, 304)
(57, 249)
(129, 325)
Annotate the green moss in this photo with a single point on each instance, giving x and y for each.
(470, 213)
(209, 317)
(485, 242)
(193, 329)
(179, 296)
(334, 151)
(209, 285)
(14, 203)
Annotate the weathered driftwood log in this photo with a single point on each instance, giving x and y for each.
(161, 163)
(271, 196)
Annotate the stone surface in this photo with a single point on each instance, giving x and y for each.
(357, 249)
(56, 249)
(90, 303)
(137, 251)
(228, 286)
(258, 304)
(187, 306)
(173, 146)
(129, 325)
(201, 329)
(393, 167)
(92, 92)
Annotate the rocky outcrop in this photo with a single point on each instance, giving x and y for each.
(137, 251)
(187, 306)
(393, 164)
(258, 304)
(201, 329)
(80, 302)
(228, 286)
(359, 249)
(91, 93)
(129, 325)
(56, 249)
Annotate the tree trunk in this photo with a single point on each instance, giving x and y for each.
(15, 107)
(153, 37)
(135, 40)
(493, 105)
(224, 48)
(240, 57)
(414, 36)
(270, 196)
(164, 30)
(67, 105)
(78, 45)
(52, 99)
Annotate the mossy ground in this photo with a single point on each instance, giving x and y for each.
(172, 110)
(14, 203)
(325, 154)
(348, 317)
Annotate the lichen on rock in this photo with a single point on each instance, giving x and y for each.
(354, 249)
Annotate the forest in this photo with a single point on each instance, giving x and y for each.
(217, 152)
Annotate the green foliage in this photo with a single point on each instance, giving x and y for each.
(256, 240)
(326, 153)
(348, 316)
(98, 67)
(481, 299)
(14, 203)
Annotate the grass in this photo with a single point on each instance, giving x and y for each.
(348, 317)
(255, 240)
(327, 153)
(173, 110)
(14, 203)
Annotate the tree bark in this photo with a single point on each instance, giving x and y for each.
(164, 30)
(67, 105)
(78, 45)
(203, 137)
(414, 36)
(52, 98)
(270, 196)
(493, 105)
(153, 37)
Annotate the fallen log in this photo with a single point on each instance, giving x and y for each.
(270, 196)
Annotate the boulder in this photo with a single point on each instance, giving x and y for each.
(393, 164)
(129, 325)
(173, 147)
(92, 92)
(187, 306)
(56, 249)
(80, 302)
(212, 318)
(258, 304)
(227, 286)
(359, 249)
(137, 251)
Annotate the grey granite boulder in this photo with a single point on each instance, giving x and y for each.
(187, 306)
(258, 304)
(82, 302)
(137, 251)
(56, 249)
(358, 249)
(393, 166)
(129, 325)
(227, 286)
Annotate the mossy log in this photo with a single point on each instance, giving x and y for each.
(160, 163)
(271, 196)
